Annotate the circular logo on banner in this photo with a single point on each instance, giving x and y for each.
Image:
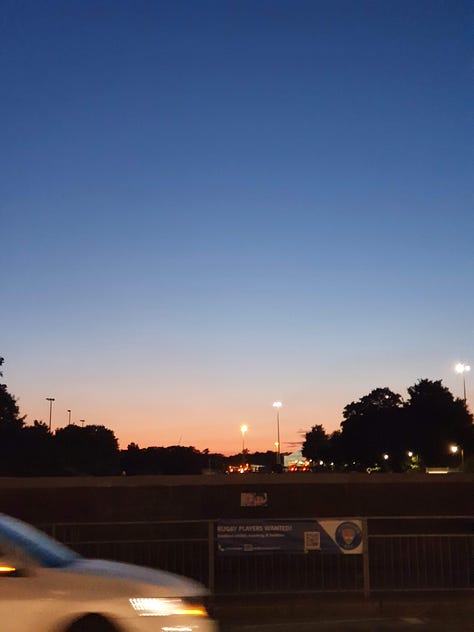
(348, 535)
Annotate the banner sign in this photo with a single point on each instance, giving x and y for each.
(265, 536)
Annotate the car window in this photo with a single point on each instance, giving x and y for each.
(36, 544)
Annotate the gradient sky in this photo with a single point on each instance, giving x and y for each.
(207, 206)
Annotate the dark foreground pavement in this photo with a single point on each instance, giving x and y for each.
(435, 612)
(348, 625)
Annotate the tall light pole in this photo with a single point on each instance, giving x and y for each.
(82, 422)
(69, 417)
(278, 405)
(50, 400)
(243, 430)
(463, 369)
(454, 449)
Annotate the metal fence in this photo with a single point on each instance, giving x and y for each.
(400, 554)
(421, 562)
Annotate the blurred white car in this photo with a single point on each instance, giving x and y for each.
(47, 587)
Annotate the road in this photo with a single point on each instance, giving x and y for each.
(409, 624)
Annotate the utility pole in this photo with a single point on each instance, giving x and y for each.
(50, 400)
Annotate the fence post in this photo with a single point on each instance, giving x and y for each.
(211, 556)
(366, 560)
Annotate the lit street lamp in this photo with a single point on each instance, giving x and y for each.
(463, 369)
(50, 400)
(243, 430)
(278, 405)
(455, 449)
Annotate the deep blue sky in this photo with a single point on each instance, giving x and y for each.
(210, 205)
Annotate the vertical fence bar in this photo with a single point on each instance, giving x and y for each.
(366, 558)
(211, 561)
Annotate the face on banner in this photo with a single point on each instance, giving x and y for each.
(346, 534)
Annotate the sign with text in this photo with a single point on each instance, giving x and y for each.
(265, 536)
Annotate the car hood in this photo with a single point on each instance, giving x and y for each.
(169, 583)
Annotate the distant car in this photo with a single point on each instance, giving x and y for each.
(47, 587)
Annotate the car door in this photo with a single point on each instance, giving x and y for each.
(25, 597)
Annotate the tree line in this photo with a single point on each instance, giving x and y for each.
(381, 431)
(380, 423)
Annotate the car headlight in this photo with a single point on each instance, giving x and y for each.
(163, 607)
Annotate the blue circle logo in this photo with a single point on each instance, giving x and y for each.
(348, 535)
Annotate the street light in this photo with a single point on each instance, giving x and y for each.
(463, 369)
(69, 417)
(455, 449)
(278, 405)
(243, 430)
(82, 422)
(50, 400)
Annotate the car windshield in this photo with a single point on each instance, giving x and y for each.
(36, 544)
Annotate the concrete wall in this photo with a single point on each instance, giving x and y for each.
(296, 495)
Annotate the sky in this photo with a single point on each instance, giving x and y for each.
(207, 206)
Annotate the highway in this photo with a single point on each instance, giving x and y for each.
(409, 624)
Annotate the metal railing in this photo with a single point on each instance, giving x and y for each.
(400, 554)
(421, 562)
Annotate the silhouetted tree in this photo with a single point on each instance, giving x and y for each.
(11, 425)
(181, 460)
(336, 455)
(434, 420)
(9, 411)
(316, 445)
(38, 453)
(266, 459)
(372, 426)
(214, 461)
(161, 460)
(92, 450)
(130, 459)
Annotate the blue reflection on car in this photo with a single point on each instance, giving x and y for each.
(36, 544)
